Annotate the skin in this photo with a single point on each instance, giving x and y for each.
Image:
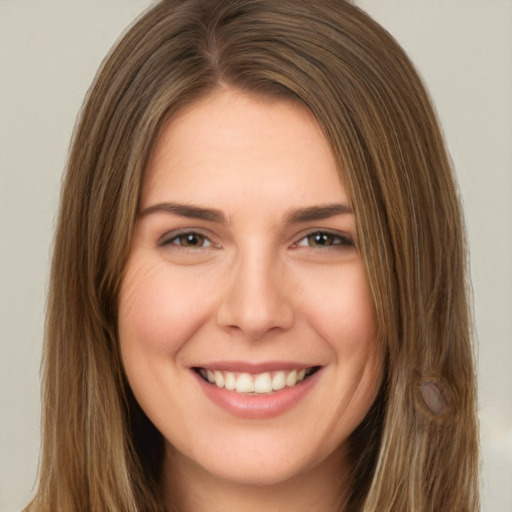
(254, 288)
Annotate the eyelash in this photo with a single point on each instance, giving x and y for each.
(172, 240)
(337, 240)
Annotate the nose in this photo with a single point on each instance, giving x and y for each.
(258, 297)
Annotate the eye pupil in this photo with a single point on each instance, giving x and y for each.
(320, 239)
(191, 240)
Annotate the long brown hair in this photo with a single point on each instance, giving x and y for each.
(417, 448)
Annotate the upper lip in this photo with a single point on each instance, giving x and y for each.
(252, 367)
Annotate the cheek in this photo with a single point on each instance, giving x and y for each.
(340, 308)
(158, 309)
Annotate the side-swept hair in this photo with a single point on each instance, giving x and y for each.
(100, 453)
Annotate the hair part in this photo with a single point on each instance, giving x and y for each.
(100, 452)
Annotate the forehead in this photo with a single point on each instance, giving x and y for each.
(237, 143)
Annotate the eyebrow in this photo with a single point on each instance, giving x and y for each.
(295, 216)
(317, 213)
(184, 210)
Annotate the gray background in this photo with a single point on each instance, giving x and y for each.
(49, 52)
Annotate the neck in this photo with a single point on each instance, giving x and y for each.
(189, 488)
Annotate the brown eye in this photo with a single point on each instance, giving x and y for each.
(324, 239)
(190, 240)
(321, 239)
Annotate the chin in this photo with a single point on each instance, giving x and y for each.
(256, 473)
(259, 461)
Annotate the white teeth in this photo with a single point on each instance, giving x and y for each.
(245, 383)
(219, 379)
(291, 378)
(279, 381)
(230, 381)
(263, 383)
(260, 383)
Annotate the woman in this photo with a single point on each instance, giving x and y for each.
(258, 291)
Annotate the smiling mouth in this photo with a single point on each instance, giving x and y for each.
(257, 383)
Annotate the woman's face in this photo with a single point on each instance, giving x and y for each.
(246, 326)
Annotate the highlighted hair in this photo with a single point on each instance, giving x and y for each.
(417, 449)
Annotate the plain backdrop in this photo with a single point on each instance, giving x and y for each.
(49, 53)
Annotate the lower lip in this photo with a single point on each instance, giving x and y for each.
(258, 406)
